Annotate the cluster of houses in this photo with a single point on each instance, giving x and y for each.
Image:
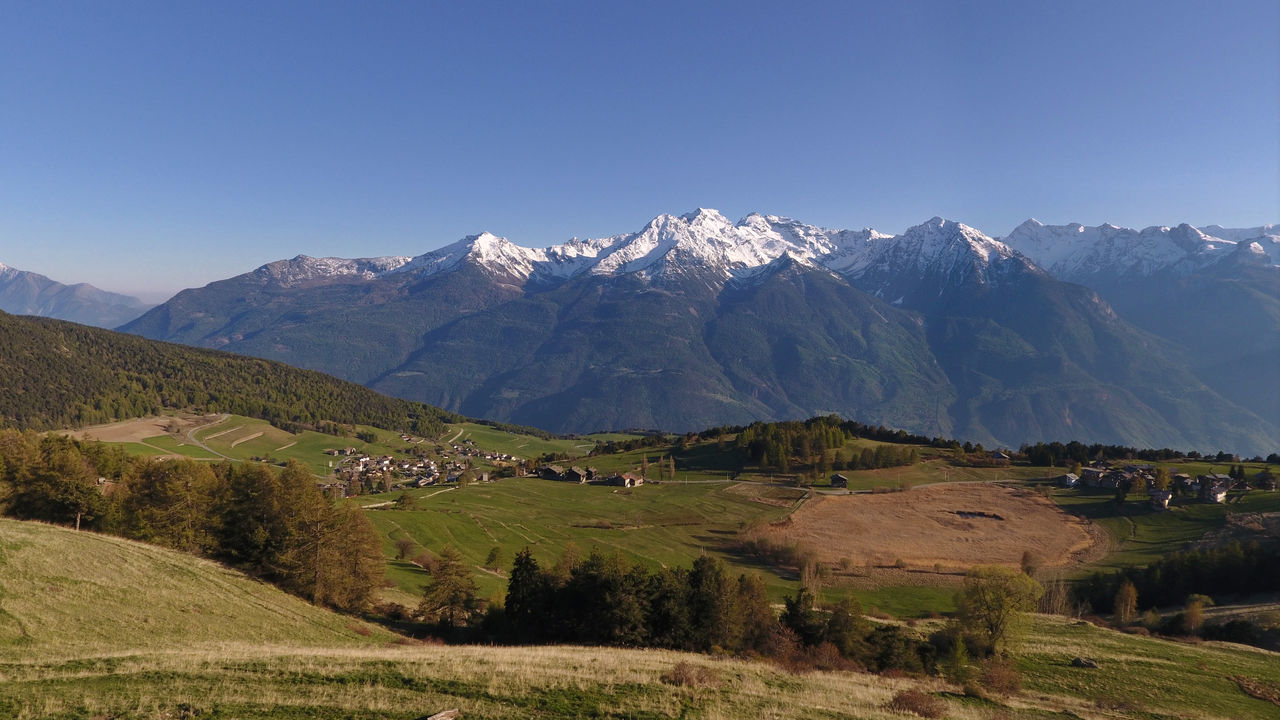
(588, 475)
(1211, 488)
(359, 472)
(468, 449)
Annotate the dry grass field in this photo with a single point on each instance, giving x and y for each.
(143, 428)
(954, 526)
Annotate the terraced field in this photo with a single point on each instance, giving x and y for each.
(237, 438)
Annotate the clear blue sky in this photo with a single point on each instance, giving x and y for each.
(149, 146)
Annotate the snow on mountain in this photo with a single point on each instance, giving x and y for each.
(1075, 252)
(707, 239)
(706, 242)
(935, 247)
(667, 244)
(303, 268)
(496, 254)
(1241, 234)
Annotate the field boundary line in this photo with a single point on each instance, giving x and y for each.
(246, 439)
(222, 432)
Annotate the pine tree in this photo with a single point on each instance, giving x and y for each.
(450, 598)
(528, 604)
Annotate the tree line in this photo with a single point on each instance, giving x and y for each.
(59, 374)
(276, 525)
(604, 600)
(1230, 569)
(778, 445)
(1050, 454)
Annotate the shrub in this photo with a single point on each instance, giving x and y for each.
(918, 703)
(685, 674)
(1000, 676)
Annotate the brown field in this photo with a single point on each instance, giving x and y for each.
(142, 428)
(954, 526)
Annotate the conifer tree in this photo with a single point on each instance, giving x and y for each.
(449, 599)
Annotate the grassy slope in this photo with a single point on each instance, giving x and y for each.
(657, 525)
(1141, 535)
(80, 641)
(525, 446)
(64, 592)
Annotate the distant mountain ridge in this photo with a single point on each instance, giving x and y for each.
(27, 293)
(695, 320)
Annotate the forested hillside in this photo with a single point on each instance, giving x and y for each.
(59, 374)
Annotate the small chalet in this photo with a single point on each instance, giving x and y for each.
(839, 481)
(1069, 480)
(1213, 487)
(624, 480)
(574, 475)
(1160, 499)
(551, 472)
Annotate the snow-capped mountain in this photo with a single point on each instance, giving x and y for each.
(695, 320)
(703, 240)
(1106, 253)
(304, 269)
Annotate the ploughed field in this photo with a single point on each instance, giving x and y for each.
(956, 526)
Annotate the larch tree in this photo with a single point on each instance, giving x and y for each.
(992, 602)
(450, 598)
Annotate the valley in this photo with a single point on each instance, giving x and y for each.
(696, 321)
(391, 361)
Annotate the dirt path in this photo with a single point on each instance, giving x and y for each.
(191, 437)
(224, 432)
(246, 439)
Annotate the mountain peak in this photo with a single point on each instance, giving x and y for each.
(704, 215)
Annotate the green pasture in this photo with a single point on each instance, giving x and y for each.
(1141, 535)
(1145, 677)
(902, 601)
(172, 445)
(524, 446)
(656, 525)
(928, 472)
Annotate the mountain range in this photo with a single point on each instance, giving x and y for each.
(26, 293)
(1164, 337)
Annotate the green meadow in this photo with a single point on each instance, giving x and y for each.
(79, 642)
(523, 446)
(1140, 534)
(657, 525)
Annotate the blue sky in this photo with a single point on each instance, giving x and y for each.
(150, 146)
